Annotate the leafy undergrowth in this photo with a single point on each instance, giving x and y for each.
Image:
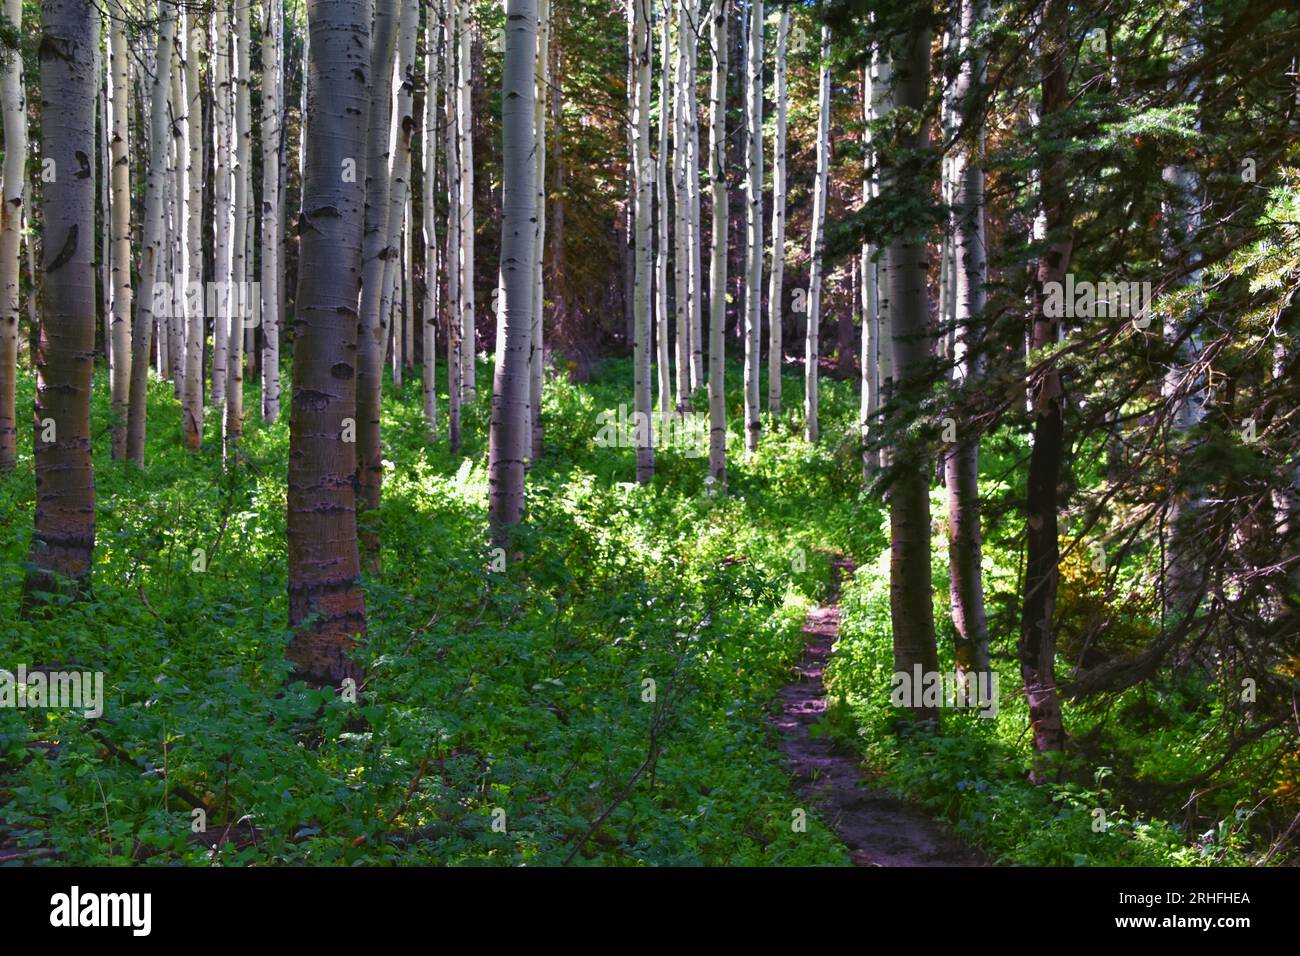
(601, 700)
(1104, 809)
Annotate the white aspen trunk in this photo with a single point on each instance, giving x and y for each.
(753, 220)
(465, 117)
(195, 339)
(14, 103)
(721, 11)
(663, 357)
(428, 218)
(104, 170)
(151, 250)
(451, 100)
(509, 437)
(775, 300)
(869, 272)
(240, 266)
(681, 251)
(694, 235)
(882, 94)
(272, 114)
(537, 354)
(401, 128)
(164, 318)
(222, 194)
(119, 98)
(644, 182)
(177, 204)
(817, 243)
(408, 245)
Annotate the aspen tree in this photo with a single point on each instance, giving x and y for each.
(817, 241)
(223, 186)
(718, 264)
(775, 301)
(643, 182)
(429, 158)
(14, 103)
(465, 119)
(271, 132)
(63, 538)
(241, 267)
(451, 101)
(663, 357)
(152, 246)
(753, 220)
(536, 361)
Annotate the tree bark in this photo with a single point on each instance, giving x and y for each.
(195, 338)
(644, 183)
(718, 263)
(326, 605)
(1037, 645)
(222, 192)
(971, 275)
(509, 438)
(775, 290)
(272, 112)
(910, 599)
(14, 101)
(465, 117)
(753, 221)
(63, 539)
(433, 55)
(242, 302)
(151, 251)
(537, 355)
(817, 243)
(455, 363)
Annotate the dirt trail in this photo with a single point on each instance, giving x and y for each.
(878, 828)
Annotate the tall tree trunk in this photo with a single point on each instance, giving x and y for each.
(718, 263)
(241, 266)
(681, 249)
(326, 606)
(119, 98)
(152, 246)
(178, 207)
(971, 268)
(433, 55)
(510, 435)
(869, 272)
(663, 358)
(694, 235)
(753, 221)
(371, 338)
(537, 353)
(222, 198)
(63, 540)
(775, 291)
(882, 92)
(195, 339)
(644, 183)
(451, 99)
(14, 103)
(910, 599)
(817, 243)
(465, 117)
(272, 111)
(1037, 646)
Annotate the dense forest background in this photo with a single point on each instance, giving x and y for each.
(448, 416)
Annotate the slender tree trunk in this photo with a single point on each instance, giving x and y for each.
(455, 364)
(222, 198)
(911, 604)
(681, 213)
(812, 350)
(1037, 646)
(663, 354)
(718, 264)
(195, 339)
(326, 606)
(178, 206)
(272, 111)
(372, 338)
(869, 271)
(775, 293)
(63, 540)
(152, 246)
(119, 98)
(429, 158)
(537, 354)
(465, 117)
(694, 235)
(510, 435)
(971, 275)
(882, 91)
(14, 103)
(644, 183)
(241, 266)
(753, 221)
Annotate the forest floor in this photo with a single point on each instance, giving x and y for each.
(877, 827)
